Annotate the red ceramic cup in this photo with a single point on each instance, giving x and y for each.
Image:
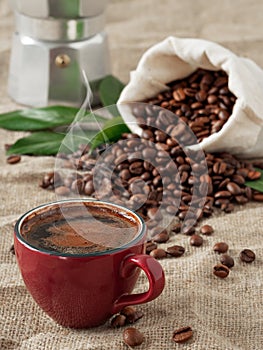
(82, 291)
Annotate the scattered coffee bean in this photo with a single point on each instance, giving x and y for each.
(220, 247)
(247, 256)
(177, 227)
(118, 321)
(62, 191)
(132, 337)
(221, 271)
(158, 253)
(13, 159)
(182, 335)
(175, 251)
(150, 246)
(258, 197)
(48, 180)
(196, 240)
(132, 314)
(227, 260)
(206, 230)
(188, 230)
(12, 250)
(128, 310)
(161, 237)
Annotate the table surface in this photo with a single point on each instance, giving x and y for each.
(224, 314)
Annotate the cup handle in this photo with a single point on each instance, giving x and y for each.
(154, 273)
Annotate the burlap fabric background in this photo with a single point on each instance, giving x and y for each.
(224, 314)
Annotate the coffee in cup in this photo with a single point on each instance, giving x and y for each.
(79, 228)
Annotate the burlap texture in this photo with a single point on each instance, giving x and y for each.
(224, 314)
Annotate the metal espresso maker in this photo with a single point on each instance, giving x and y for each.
(54, 42)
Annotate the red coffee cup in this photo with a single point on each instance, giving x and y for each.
(82, 291)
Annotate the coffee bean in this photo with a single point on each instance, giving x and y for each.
(158, 253)
(149, 154)
(219, 167)
(223, 115)
(258, 197)
(201, 96)
(136, 168)
(154, 214)
(206, 230)
(233, 188)
(132, 337)
(118, 321)
(222, 194)
(132, 314)
(177, 227)
(161, 237)
(147, 134)
(121, 158)
(175, 251)
(62, 191)
(187, 230)
(221, 271)
(179, 95)
(77, 186)
(247, 256)
(254, 175)
(196, 240)
(160, 136)
(183, 334)
(229, 208)
(150, 246)
(157, 230)
(48, 180)
(212, 99)
(89, 188)
(227, 260)
(13, 159)
(12, 250)
(220, 247)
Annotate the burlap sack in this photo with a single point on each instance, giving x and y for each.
(176, 58)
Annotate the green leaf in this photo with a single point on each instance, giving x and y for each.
(109, 90)
(111, 132)
(257, 184)
(49, 143)
(38, 143)
(35, 119)
(38, 118)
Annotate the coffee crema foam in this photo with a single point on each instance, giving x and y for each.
(79, 228)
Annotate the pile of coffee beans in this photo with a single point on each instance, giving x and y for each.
(157, 174)
(202, 100)
(125, 178)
